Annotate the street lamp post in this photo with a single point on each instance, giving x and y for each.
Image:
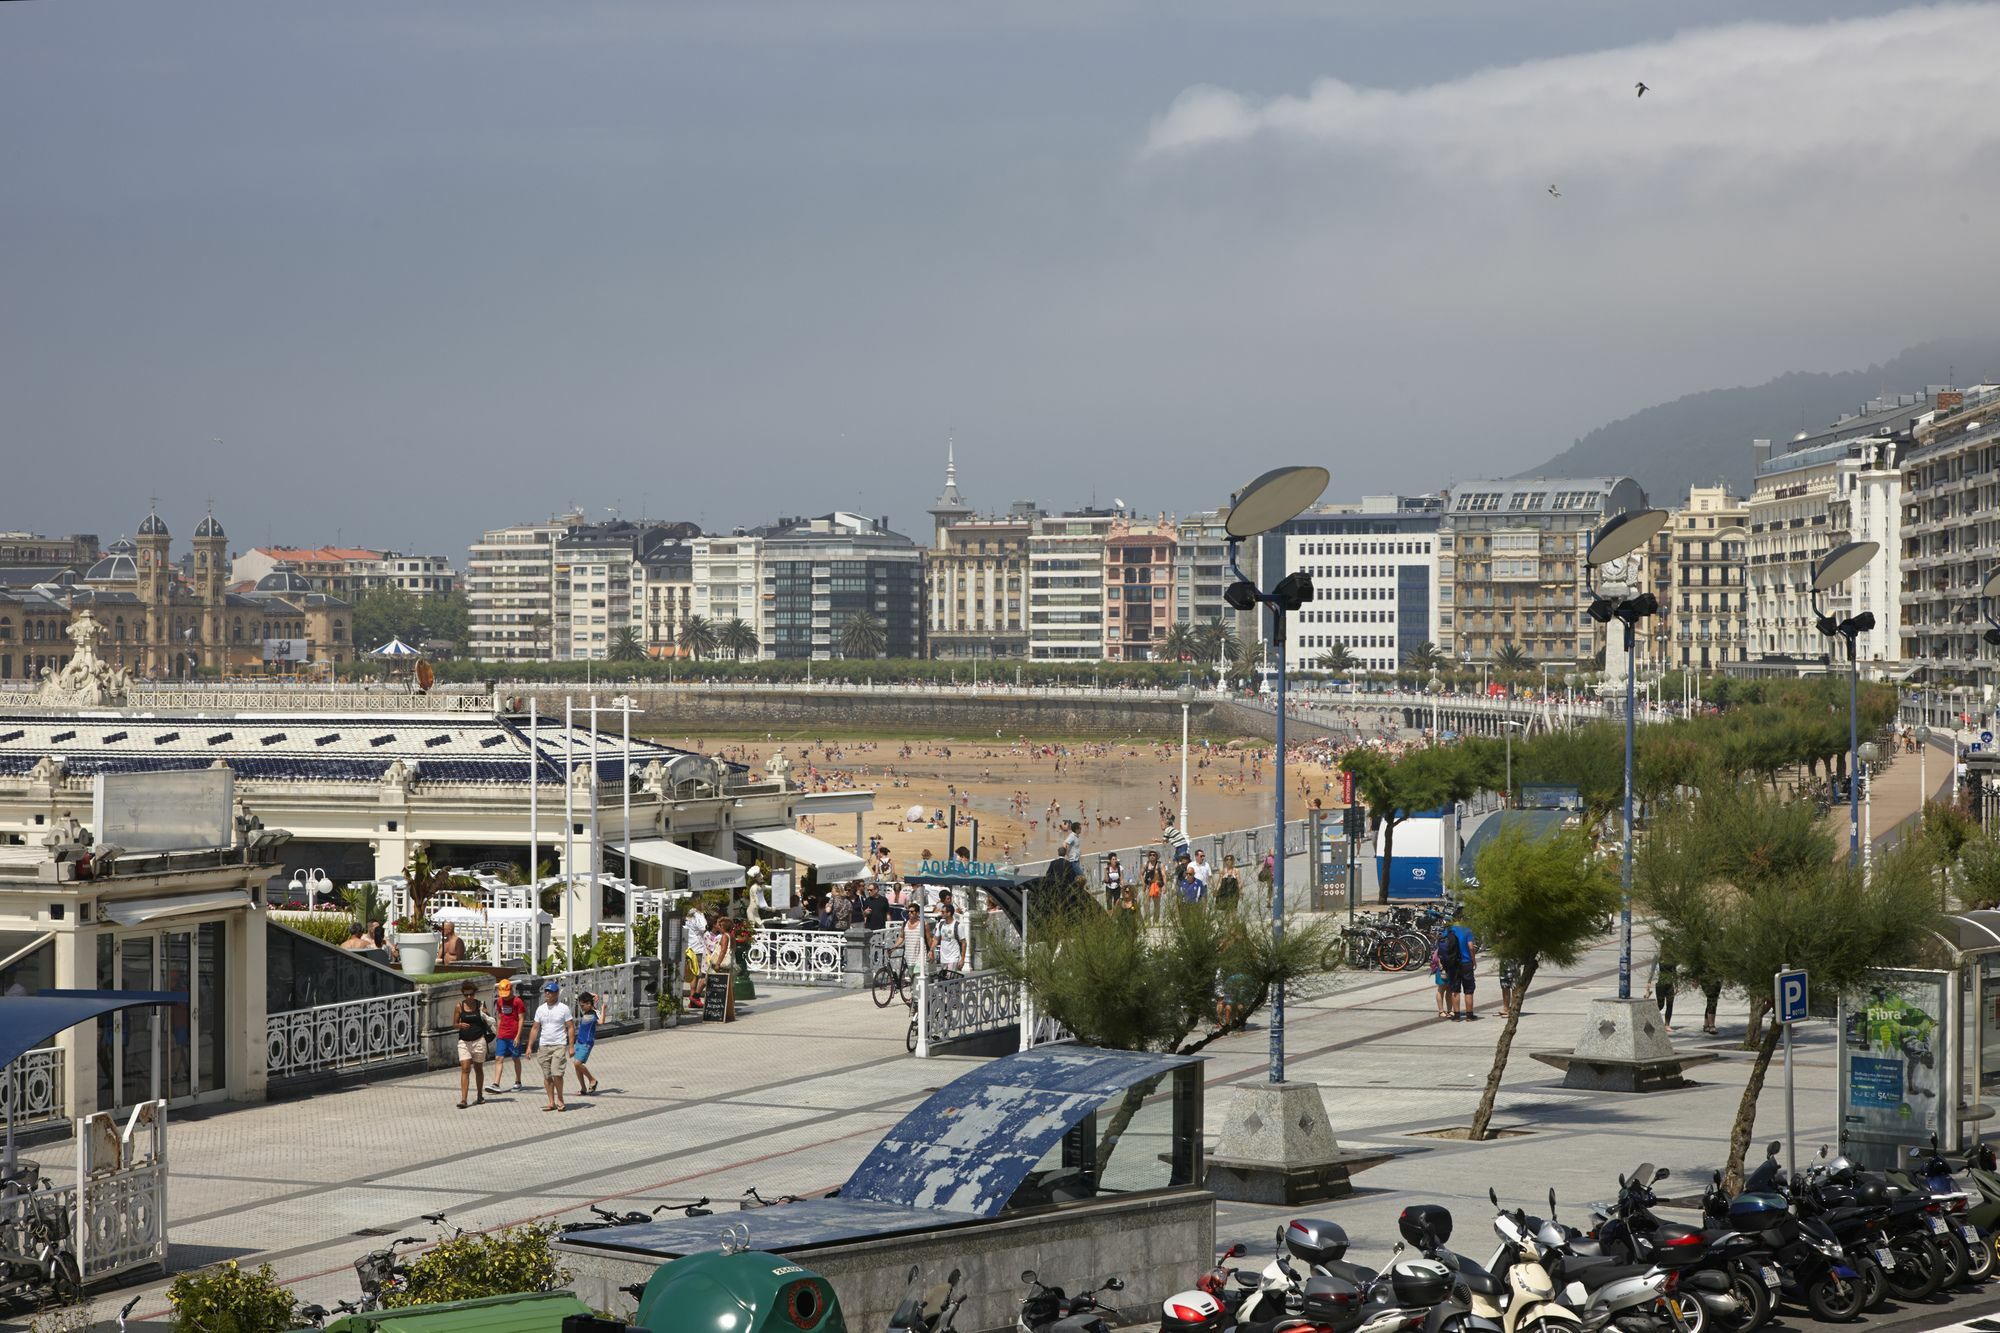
(1835, 568)
(1510, 726)
(1187, 698)
(1623, 535)
(1272, 500)
(1867, 754)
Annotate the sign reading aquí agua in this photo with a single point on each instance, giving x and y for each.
(962, 870)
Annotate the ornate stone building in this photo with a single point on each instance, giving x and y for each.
(160, 621)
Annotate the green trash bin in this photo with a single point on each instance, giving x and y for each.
(526, 1312)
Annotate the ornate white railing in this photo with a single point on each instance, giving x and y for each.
(358, 1034)
(121, 1192)
(967, 1005)
(885, 946)
(798, 955)
(31, 1088)
(616, 989)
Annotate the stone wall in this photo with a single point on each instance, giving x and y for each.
(1157, 1243)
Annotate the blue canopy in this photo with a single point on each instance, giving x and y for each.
(26, 1021)
(395, 648)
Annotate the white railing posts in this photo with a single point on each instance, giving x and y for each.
(798, 955)
(31, 1088)
(357, 1034)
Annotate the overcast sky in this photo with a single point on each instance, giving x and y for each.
(426, 268)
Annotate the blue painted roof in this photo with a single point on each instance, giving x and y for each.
(26, 1021)
(955, 1160)
(968, 1147)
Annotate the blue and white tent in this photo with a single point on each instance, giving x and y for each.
(396, 649)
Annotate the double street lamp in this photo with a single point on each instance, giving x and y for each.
(1270, 502)
(1835, 568)
(1620, 537)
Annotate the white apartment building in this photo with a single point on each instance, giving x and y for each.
(1843, 484)
(591, 594)
(1951, 533)
(348, 572)
(509, 586)
(1374, 568)
(726, 578)
(1201, 572)
(1066, 586)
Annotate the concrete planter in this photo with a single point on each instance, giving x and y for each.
(419, 950)
(440, 1001)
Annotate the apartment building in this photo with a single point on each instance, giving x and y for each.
(1138, 586)
(663, 596)
(1838, 485)
(348, 572)
(820, 573)
(31, 550)
(1704, 604)
(1066, 586)
(726, 581)
(976, 576)
(1951, 534)
(1374, 568)
(1512, 571)
(1201, 575)
(509, 587)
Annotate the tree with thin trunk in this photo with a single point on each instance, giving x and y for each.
(863, 634)
(1418, 782)
(1539, 900)
(1742, 883)
(739, 637)
(699, 637)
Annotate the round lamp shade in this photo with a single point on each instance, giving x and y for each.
(1624, 534)
(1991, 588)
(1842, 563)
(1274, 499)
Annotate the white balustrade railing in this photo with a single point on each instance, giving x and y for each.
(966, 1005)
(885, 946)
(615, 988)
(120, 1197)
(798, 955)
(31, 1088)
(357, 1034)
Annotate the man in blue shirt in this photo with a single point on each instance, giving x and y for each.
(1459, 954)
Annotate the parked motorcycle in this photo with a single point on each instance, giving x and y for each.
(1811, 1264)
(930, 1309)
(1728, 1272)
(1047, 1309)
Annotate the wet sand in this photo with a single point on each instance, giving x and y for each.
(1019, 791)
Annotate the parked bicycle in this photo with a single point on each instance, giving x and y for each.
(37, 1242)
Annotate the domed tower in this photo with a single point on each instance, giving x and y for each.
(211, 569)
(155, 583)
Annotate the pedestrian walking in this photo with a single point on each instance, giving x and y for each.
(1156, 884)
(1439, 984)
(948, 940)
(916, 944)
(1114, 881)
(1711, 994)
(509, 1012)
(1510, 977)
(550, 1041)
(1666, 980)
(1189, 885)
(875, 908)
(1203, 871)
(1459, 953)
(1229, 885)
(586, 1039)
(473, 1030)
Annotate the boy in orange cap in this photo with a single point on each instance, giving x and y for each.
(508, 1012)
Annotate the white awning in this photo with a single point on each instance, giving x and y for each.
(833, 863)
(138, 911)
(702, 870)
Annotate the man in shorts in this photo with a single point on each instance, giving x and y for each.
(1460, 955)
(553, 1035)
(509, 1012)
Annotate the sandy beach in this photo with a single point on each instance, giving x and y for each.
(1019, 791)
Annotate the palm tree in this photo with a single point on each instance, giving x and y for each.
(1336, 659)
(1511, 659)
(863, 635)
(1426, 656)
(739, 639)
(1177, 645)
(1215, 639)
(627, 646)
(1244, 666)
(698, 636)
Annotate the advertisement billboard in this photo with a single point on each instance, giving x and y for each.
(279, 651)
(1895, 1057)
(171, 811)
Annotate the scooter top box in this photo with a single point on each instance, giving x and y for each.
(1757, 1209)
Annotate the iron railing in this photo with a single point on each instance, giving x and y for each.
(357, 1034)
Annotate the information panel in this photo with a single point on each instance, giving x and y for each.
(169, 811)
(1895, 1054)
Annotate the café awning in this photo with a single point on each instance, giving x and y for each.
(138, 911)
(703, 872)
(833, 863)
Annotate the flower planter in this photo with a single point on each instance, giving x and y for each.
(419, 951)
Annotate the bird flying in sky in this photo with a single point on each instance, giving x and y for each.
(1554, 193)
(1641, 87)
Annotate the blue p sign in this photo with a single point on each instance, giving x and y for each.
(1791, 996)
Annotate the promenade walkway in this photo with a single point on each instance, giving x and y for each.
(792, 1097)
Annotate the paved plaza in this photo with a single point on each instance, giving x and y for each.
(790, 1098)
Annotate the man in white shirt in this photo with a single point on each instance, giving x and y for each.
(1202, 870)
(550, 1043)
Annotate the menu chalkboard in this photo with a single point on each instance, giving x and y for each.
(716, 999)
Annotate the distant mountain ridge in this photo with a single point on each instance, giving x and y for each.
(1704, 438)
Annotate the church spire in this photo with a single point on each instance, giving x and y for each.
(950, 496)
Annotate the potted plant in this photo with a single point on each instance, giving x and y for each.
(416, 941)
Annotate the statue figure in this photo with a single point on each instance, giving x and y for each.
(778, 766)
(86, 680)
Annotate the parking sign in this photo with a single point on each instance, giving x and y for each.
(1790, 996)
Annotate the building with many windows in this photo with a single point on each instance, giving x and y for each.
(348, 572)
(1138, 586)
(1837, 485)
(1702, 599)
(45, 557)
(1066, 586)
(976, 576)
(1951, 534)
(1201, 576)
(509, 587)
(1511, 567)
(663, 595)
(726, 585)
(821, 573)
(1374, 567)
